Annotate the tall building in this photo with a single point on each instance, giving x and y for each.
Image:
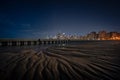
(115, 36)
(108, 36)
(102, 35)
(61, 36)
(92, 36)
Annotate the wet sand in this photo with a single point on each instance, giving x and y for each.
(88, 61)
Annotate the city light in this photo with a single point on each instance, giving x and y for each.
(101, 35)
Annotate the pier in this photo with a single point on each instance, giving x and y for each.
(18, 42)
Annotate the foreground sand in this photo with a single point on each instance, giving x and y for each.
(89, 61)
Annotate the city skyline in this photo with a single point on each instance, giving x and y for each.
(38, 19)
(100, 35)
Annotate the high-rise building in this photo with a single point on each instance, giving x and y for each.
(92, 36)
(102, 35)
(61, 36)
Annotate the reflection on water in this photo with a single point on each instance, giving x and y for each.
(34, 47)
(84, 60)
(39, 47)
(19, 48)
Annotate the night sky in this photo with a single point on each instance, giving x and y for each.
(38, 19)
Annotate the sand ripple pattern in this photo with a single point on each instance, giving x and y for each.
(62, 63)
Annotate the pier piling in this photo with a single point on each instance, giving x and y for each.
(31, 42)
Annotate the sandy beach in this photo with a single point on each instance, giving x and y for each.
(88, 61)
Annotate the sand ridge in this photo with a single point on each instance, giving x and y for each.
(62, 63)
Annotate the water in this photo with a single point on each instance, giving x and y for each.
(81, 60)
(39, 47)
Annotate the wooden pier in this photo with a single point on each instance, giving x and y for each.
(16, 42)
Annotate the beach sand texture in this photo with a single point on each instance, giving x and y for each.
(89, 61)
